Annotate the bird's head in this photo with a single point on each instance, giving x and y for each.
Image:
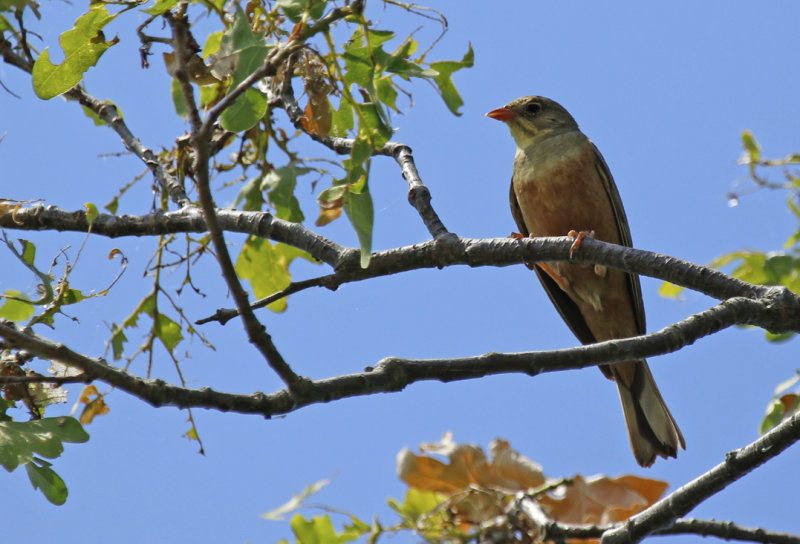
(532, 117)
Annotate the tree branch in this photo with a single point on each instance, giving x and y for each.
(780, 311)
(200, 137)
(418, 194)
(683, 500)
(393, 373)
(550, 530)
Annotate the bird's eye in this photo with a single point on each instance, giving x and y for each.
(533, 108)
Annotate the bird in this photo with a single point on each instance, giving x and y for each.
(561, 185)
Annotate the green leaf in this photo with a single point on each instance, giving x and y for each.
(282, 182)
(342, 119)
(332, 194)
(386, 93)
(373, 124)
(178, 100)
(168, 331)
(91, 212)
(118, 340)
(358, 62)
(96, 119)
(416, 504)
(18, 5)
(20, 440)
(670, 290)
(44, 478)
(320, 530)
(778, 337)
(249, 53)
(752, 147)
(266, 267)
(83, 45)
(294, 9)
(444, 81)
(778, 266)
(245, 112)
(212, 44)
(774, 416)
(251, 195)
(28, 252)
(72, 296)
(161, 6)
(358, 207)
(16, 309)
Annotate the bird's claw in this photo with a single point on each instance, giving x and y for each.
(579, 236)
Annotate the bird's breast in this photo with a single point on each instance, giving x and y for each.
(559, 189)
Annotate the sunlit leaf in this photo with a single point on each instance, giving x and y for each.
(168, 331)
(17, 308)
(444, 80)
(670, 290)
(416, 504)
(266, 266)
(83, 45)
(161, 6)
(752, 147)
(319, 529)
(92, 212)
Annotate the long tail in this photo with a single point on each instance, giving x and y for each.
(651, 428)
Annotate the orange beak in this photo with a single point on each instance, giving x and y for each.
(502, 114)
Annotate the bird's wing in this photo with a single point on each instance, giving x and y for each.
(634, 287)
(568, 310)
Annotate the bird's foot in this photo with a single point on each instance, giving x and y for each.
(579, 236)
(518, 236)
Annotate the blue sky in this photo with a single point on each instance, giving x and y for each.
(664, 90)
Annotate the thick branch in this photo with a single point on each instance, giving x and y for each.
(393, 373)
(779, 313)
(190, 219)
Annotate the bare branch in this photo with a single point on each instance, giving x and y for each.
(683, 500)
(727, 530)
(38, 378)
(393, 373)
(418, 194)
(779, 313)
(185, 220)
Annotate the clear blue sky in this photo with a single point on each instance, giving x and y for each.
(663, 89)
